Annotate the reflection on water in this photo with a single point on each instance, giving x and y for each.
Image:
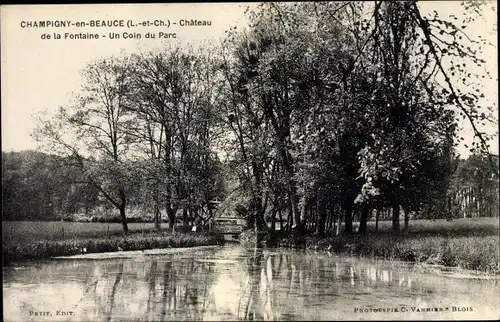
(233, 283)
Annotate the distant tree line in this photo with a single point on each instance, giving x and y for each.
(39, 186)
(474, 188)
(317, 114)
(46, 187)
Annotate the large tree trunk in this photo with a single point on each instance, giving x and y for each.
(338, 223)
(290, 214)
(259, 215)
(185, 218)
(296, 214)
(157, 214)
(301, 225)
(321, 219)
(251, 214)
(328, 221)
(258, 211)
(348, 217)
(407, 221)
(273, 218)
(168, 163)
(449, 212)
(210, 215)
(282, 131)
(171, 215)
(280, 216)
(321, 223)
(124, 219)
(331, 224)
(122, 207)
(395, 218)
(377, 217)
(365, 213)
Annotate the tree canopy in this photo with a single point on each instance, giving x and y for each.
(325, 112)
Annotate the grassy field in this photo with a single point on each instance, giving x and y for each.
(462, 226)
(26, 231)
(22, 231)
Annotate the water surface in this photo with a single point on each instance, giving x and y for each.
(236, 283)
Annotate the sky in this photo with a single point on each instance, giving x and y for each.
(42, 74)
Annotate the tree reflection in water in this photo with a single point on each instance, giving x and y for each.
(111, 303)
(149, 290)
(254, 267)
(233, 283)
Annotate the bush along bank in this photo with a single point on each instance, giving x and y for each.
(480, 253)
(52, 248)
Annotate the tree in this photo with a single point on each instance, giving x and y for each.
(173, 102)
(93, 131)
(375, 73)
(474, 187)
(248, 139)
(413, 103)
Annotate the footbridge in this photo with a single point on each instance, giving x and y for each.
(229, 226)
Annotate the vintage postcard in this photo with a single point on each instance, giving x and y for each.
(332, 160)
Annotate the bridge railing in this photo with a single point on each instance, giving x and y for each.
(228, 225)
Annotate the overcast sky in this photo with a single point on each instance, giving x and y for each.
(40, 75)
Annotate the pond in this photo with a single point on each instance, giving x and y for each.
(236, 283)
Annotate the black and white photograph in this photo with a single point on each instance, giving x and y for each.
(314, 161)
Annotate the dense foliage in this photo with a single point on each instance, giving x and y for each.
(317, 114)
(50, 191)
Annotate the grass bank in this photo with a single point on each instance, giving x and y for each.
(472, 243)
(474, 253)
(45, 249)
(28, 231)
